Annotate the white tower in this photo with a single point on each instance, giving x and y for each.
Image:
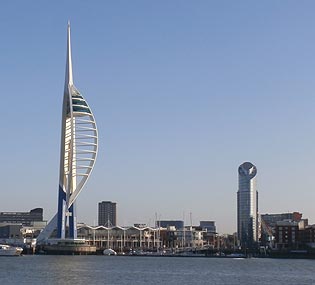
(78, 152)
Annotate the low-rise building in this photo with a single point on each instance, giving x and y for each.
(272, 219)
(288, 235)
(209, 233)
(177, 224)
(309, 236)
(10, 231)
(24, 218)
(269, 222)
(122, 239)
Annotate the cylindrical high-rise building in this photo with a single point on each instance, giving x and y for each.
(247, 205)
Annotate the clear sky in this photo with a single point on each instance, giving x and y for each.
(183, 92)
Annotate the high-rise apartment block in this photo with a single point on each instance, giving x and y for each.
(247, 205)
(107, 214)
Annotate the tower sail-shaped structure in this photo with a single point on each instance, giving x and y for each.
(79, 142)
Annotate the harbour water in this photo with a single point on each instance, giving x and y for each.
(42, 269)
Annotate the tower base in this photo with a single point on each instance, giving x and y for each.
(66, 247)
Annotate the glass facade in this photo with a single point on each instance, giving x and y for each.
(247, 205)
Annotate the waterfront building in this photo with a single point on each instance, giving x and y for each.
(79, 141)
(227, 242)
(121, 239)
(209, 226)
(269, 222)
(177, 224)
(287, 235)
(247, 205)
(195, 236)
(10, 231)
(107, 214)
(125, 239)
(209, 233)
(309, 236)
(272, 219)
(23, 218)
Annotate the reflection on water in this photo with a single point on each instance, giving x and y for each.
(153, 270)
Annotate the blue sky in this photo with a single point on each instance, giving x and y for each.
(183, 92)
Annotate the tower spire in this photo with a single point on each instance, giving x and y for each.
(69, 76)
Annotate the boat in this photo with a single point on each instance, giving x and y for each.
(109, 251)
(237, 255)
(8, 250)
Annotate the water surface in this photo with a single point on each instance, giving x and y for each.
(41, 269)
